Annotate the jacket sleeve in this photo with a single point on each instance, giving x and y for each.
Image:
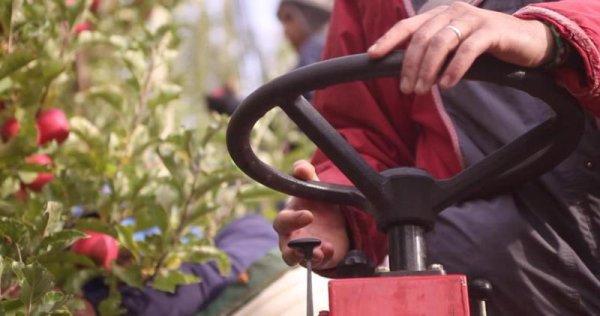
(578, 22)
(244, 240)
(353, 109)
(388, 129)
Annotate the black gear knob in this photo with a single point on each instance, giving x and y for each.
(481, 291)
(306, 245)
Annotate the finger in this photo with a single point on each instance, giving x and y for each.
(400, 33)
(421, 39)
(290, 256)
(465, 55)
(439, 47)
(324, 256)
(304, 170)
(288, 221)
(416, 50)
(321, 259)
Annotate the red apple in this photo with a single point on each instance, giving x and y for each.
(43, 177)
(95, 5)
(82, 27)
(102, 248)
(218, 92)
(39, 159)
(10, 129)
(21, 194)
(52, 124)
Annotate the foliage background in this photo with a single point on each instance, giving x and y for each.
(145, 161)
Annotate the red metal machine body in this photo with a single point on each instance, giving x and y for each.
(435, 295)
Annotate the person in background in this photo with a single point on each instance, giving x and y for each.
(304, 25)
(223, 99)
(251, 246)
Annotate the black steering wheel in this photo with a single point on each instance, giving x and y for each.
(525, 158)
(403, 195)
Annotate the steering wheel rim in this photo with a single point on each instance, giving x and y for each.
(554, 138)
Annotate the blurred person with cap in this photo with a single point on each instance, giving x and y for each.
(305, 24)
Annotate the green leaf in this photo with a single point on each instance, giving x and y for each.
(162, 30)
(211, 131)
(173, 261)
(59, 240)
(96, 225)
(73, 11)
(166, 94)
(5, 85)
(53, 218)
(54, 303)
(110, 94)
(126, 239)
(162, 219)
(28, 176)
(131, 275)
(13, 230)
(13, 62)
(111, 306)
(67, 259)
(6, 9)
(214, 180)
(10, 306)
(169, 280)
(1, 266)
(6, 208)
(143, 147)
(168, 160)
(200, 211)
(17, 268)
(51, 69)
(137, 185)
(38, 281)
(133, 81)
(85, 128)
(201, 254)
(121, 42)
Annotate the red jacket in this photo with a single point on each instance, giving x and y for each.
(390, 129)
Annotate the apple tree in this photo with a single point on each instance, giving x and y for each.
(98, 176)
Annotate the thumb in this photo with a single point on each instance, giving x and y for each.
(304, 170)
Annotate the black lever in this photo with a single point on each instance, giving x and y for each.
(355, 265)
(307, 245)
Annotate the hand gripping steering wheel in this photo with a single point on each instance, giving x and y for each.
(403, 200)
